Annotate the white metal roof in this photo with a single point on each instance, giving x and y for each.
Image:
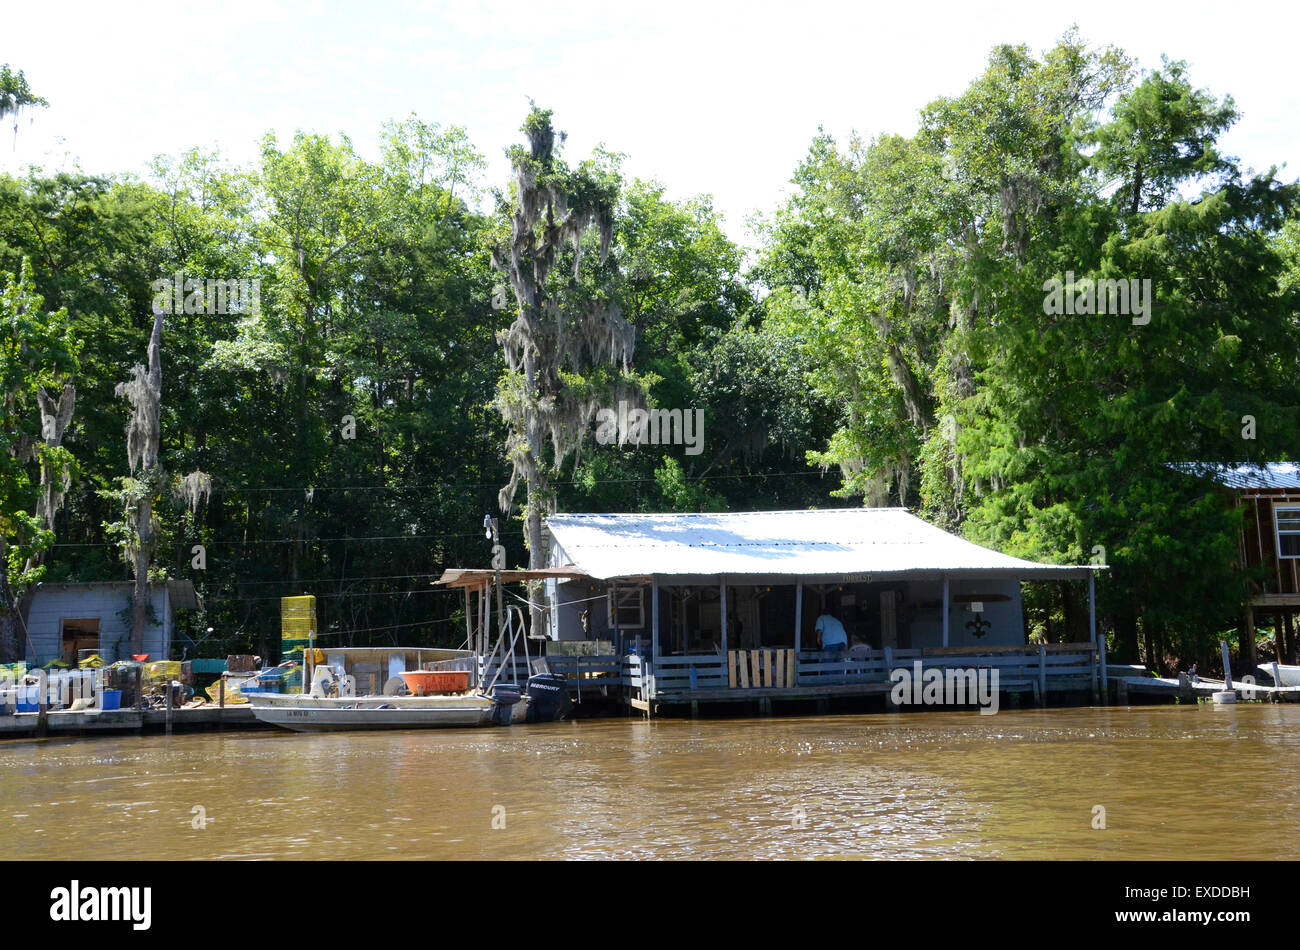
(826, 542)
(1273, 475)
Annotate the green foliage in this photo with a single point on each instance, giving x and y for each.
(888, 342)
(38, 354)
(913, 274)
(16, 94)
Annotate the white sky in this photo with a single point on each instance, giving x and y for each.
(707, 97)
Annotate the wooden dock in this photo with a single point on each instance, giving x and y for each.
(66, 722)
(761, 676)
(1184, 688)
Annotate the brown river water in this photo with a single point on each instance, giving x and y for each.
(1176, 782)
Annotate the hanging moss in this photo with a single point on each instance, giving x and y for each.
(551, 338)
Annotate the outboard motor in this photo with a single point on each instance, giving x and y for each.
(504, 697)
(548, 698)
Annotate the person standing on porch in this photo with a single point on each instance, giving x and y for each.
(830, 634)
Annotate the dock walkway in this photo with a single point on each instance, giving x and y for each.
(66, 722)
(1169, 686)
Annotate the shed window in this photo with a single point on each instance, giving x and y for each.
(1288, 532)
(629, 602)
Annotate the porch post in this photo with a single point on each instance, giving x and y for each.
(722, 612)
(798, 614)
(654, 618)
(1092, 622)
(469, 623)
(611, 599)
(945, 610)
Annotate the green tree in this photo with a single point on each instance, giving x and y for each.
(16, 94)
(915, 274)
(569, 347)
(38, 357)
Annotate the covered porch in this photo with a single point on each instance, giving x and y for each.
(684, 637)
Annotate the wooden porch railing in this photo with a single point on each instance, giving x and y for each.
(1062, 664)
(676, 673)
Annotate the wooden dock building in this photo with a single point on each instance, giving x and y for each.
(679, 612)
(1268, 549)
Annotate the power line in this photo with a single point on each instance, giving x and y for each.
(339, 580)
(376, 537)
(494, 486)
(377, 593)
(391, 626)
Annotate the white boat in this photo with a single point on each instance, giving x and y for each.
(1286, 675)
(332, 705)
(328, 714)
(442, 697)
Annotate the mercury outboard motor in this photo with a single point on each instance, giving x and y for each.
(548, 698)
(504, 696)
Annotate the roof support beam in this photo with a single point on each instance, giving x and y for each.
(654, 618)
(722, 611)
(798, 614)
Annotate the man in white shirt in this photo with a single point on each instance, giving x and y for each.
(831, 636)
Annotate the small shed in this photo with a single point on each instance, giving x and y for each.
(69, 619)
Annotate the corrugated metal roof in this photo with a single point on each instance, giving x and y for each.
(826, 542)
(1272, 475)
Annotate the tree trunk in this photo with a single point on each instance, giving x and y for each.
(1247, 644)
(140, 596)
(151, 443)
(11, 647)
(1126, 635)
(1150, 645)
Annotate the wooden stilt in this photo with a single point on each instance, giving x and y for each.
(798, 615)
(1042, 674)
(1092, 632)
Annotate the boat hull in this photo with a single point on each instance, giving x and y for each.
(1289, 675)
(322, 714)
(317, 719)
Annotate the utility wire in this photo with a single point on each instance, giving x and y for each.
(236, 489)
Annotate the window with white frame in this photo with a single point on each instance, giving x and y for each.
(629, 603)
(1287, 521)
